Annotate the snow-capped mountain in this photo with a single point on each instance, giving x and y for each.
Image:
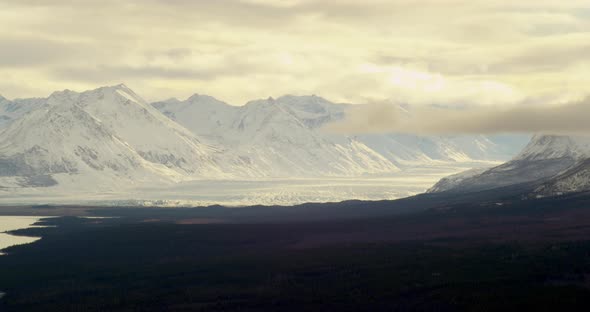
(575, 179)
(409, 151)
(286, 135)
(555, 147)
(12, 110)
(109, 134)
(111, 137)
(544, 158)
(278, 137)
(453, 181)
(201, 114)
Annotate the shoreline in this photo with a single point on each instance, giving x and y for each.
(14, 239)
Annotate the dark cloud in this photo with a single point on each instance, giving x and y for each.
(105, 73)
(543, 58)
(571, 118)
(34, 52)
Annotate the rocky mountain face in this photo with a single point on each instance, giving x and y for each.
(574, 179)
(558, 163)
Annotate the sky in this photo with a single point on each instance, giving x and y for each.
(449, 52)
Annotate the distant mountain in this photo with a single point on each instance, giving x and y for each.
(110, 137)
(409, 151)
(293, 126)
(201, 114)
(12, 110)
(108, 134)
(279, 137)
(575, 179)
(456, 180)
(557, 161)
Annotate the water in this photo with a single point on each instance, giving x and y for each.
(11, 223)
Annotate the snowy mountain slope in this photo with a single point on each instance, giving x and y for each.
(542, 159)
(59, 141)
(277, 137)
(12, 110)
(406, 150)
(201, 114)
(575, 179)
(554, 146)
(110, 134)
(313, 111)
(411, 150)
(452, 181)
(152, 135)
(285, 136)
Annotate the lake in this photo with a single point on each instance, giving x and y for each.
(11, 223)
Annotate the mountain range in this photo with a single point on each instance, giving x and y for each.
(110, 137)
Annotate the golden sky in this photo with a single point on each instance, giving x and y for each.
(461, 52)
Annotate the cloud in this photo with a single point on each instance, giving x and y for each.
(568, 118)
(417, 51)
(108, 73)
(27, 52)
(545, 57)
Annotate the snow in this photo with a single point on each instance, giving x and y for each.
(549, 159)
(554, 146)
(12, 110)
(109, 143)
(272, 139)
(575, 179)
(284, 137)
(452, 181)
(235, 192)
(101, 136)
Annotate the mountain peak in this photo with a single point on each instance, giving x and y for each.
(556, 146)
(196, 97)
(118, 87)
(300, 97)
(203, 100)
(122, 90)
(170, 100)
(59, 96)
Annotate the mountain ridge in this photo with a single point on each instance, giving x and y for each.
(556, 164)
(203, 138)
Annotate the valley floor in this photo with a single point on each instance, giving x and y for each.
(531, 255)
(276, 191)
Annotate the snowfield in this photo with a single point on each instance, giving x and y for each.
(245, 192)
